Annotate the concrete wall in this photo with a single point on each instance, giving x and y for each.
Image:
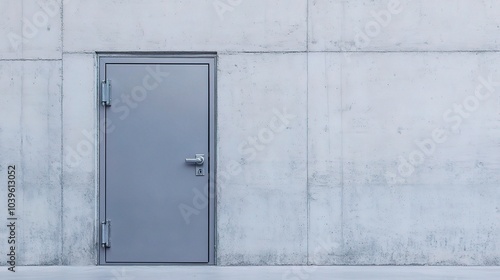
(377, 163)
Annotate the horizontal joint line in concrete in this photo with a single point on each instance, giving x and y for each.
(362, 51)
(292, 52)
(32, 59)
(82, 52)
(408, 51)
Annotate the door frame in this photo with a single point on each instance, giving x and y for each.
(157, 58)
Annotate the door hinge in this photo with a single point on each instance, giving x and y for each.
(105, 229)
(105, 93)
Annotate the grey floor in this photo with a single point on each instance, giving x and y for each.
(254, 272)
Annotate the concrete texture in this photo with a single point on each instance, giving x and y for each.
(255, 272)
(324, 159)
(31, 140)
(369, 84)
(30, 29)
(440, 214)
(164, 25)
(403, 25)
(79, 171)
(262, 193)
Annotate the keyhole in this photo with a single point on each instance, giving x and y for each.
(200, 172)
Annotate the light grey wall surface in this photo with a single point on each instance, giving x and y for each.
(330, 115)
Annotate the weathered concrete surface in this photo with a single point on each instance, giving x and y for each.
(445, 210)
(404, 25)
(324, 158)
(10, 132)
(31, 139)
(262, 195)
(30, 29)
(79, 154)
(194, 25)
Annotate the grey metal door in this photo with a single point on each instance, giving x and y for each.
(156, 157)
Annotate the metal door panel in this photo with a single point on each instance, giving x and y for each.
(159, 116)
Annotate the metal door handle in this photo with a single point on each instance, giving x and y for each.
(199, 159)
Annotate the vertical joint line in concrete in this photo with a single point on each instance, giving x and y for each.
(61, 260)
(21, 153)
(341, 155)
(341, 74)
(307, 133)
(22, 28)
